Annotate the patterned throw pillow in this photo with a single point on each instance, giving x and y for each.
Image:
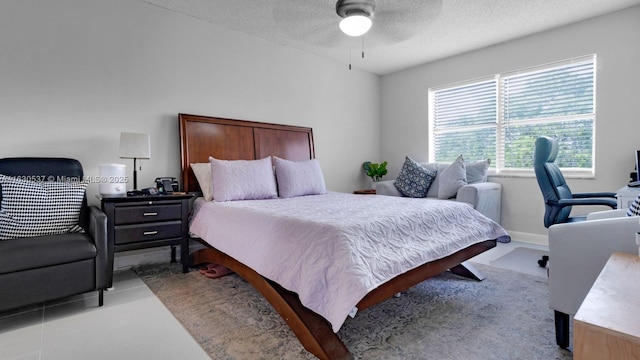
(39, 208)
(634, 209)
(414, 180)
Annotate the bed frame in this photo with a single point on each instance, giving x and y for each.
(229, 139)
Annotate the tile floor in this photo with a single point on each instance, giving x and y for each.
(132, 324)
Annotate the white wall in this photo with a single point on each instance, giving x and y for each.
(76, 73)
(615, 38)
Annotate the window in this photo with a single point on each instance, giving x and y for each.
(500, 117)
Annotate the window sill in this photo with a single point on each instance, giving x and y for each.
(567, 173)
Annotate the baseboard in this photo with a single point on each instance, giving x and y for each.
(537, 239)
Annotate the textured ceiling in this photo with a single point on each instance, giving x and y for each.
(404, 32)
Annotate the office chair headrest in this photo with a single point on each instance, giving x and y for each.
(546, 150)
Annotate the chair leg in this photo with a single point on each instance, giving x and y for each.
(100, 297)
(543, 262)
(562, 329)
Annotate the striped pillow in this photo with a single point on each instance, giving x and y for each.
(634, 209)
(31, 208)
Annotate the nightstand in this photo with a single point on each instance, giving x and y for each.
(140, 222)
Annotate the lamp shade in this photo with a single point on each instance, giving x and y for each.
(355, 25)
(135, 146)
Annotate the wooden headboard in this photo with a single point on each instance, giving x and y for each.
(228, 139)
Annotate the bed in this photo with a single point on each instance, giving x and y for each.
(310, 256)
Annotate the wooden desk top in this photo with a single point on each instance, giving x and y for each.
(613, 303)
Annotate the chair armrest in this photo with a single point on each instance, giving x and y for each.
(601, 194)
(578, 251)
(607, 214)
(387, 188)
(104, 258)
(485, 197)
(586, 201)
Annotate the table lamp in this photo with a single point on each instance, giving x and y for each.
(135, 146)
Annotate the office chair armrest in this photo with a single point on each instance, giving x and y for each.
(594, 195)
(571, 202)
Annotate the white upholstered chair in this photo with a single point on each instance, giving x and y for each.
(483, 195)
(578, 252)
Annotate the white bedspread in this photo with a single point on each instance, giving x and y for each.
(333, 249)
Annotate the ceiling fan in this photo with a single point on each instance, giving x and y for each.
(317, 21)
(356, 16)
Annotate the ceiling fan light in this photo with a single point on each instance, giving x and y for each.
(355, 25)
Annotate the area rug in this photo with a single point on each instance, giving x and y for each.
(446, 318)
(522, 259)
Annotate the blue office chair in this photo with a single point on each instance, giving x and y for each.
(558, 198)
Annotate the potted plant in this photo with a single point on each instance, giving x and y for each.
(375, 171)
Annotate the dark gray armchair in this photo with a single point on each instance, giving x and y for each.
(42, 268)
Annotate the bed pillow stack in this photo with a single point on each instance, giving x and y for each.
(227, 180)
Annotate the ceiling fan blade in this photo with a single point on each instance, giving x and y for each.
(313, 22)
(396, 21)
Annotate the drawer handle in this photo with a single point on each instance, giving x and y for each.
(150, 214)
(150, 232)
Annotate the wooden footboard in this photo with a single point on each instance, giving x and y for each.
(315, 332)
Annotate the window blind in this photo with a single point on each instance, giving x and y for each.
(500, 117)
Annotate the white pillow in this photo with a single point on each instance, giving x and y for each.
(477, 171)
(39, 208)
(298, 178)
(452, 179)
(243, 179)
(202, 171)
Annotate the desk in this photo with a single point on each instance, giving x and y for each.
(626, 195)
(607, 324)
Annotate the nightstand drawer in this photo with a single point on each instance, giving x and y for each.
(143, 214)
(125, 234)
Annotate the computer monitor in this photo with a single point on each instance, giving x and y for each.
(634, 175)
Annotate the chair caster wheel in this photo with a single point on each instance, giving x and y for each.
(543, 262)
